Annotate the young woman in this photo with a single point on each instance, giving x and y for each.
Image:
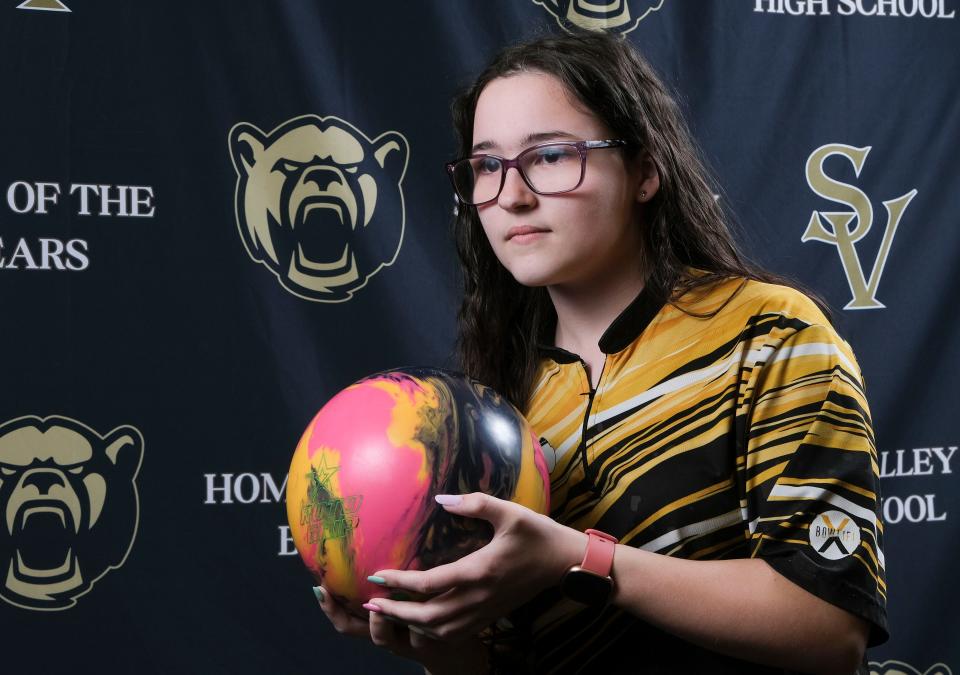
(693, 408)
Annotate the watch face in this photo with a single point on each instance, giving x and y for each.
(586, 587)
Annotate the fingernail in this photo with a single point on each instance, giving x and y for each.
(448, 500)
(321, 596)
(370, 607)
(374, 579)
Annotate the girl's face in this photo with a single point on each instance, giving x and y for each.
(573, 239)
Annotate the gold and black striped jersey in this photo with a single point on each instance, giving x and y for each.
(731, 424)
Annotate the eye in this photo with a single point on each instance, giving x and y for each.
(486, 165)
(286, 166)
(76, 469)
(6, 472)
(554, 154)
(351, 169)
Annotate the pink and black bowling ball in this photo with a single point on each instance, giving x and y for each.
(360, 492)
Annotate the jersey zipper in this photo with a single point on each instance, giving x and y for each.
(588, 475)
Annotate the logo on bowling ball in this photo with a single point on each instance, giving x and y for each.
(618, 16)
(319, 203)
(70, 507)
(322, 514)
(361, 486)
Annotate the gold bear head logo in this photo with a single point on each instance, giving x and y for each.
(69, 507)
(900, 668)
(617, 16)
(319, 203)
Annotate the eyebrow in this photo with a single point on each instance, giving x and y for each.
(529, 139)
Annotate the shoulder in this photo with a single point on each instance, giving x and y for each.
(742, 301)
(760, 313)
(788, 321)
(759, 298)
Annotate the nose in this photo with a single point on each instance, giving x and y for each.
(516, 194)
(323, 177)
(43, 480)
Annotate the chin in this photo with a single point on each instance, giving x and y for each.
(533, 270)
(532, 279)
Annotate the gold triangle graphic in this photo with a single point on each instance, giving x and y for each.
(48, 5)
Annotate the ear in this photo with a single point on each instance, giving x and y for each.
(391, 151)
(124, 448)
(246, 146)
(648, 178)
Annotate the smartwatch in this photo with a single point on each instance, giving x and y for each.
(590, 583)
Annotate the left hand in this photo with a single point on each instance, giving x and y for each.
(529, 552)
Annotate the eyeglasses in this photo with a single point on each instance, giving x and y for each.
(547, 169)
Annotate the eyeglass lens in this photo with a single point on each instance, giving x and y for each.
(547, 168)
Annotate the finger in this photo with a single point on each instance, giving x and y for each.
(342, 621)
(382, 631)
(402, 612)
(479, 505)
(433, 582)
(389, 633)
(435, 617)
(421, 638)
(399, 638)
(385, 630)
(430, 582)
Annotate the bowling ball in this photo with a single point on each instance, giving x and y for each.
(360, 492)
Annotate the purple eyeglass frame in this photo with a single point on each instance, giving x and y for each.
(507, 164)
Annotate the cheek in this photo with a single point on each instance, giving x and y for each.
(487, 217)
(488, 225)
(608, 219)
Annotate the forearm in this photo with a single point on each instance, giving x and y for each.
(742, 608)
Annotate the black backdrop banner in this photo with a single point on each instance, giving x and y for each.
(157, 324)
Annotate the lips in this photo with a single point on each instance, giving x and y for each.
(523, 230)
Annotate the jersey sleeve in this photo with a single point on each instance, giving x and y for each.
(809, 473)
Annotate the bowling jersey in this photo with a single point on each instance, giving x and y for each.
(732, 425)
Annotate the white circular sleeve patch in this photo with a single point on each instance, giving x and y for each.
(549, 454)
(834, 535)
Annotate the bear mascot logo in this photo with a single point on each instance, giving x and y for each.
(69, 505)
(319, 203)
(901, 668)
(617, 16)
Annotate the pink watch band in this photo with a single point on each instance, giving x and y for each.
(599, 556)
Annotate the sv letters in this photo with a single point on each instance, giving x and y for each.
(844, 229)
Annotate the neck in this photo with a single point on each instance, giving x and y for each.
(586, 310)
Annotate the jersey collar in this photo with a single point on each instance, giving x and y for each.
(631, 322)
(626, 328)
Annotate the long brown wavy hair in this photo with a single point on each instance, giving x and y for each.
(501, 322)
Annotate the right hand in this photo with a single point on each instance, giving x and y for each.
(437, 656)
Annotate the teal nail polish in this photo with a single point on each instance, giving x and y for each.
(321, 596)
(373, 579)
